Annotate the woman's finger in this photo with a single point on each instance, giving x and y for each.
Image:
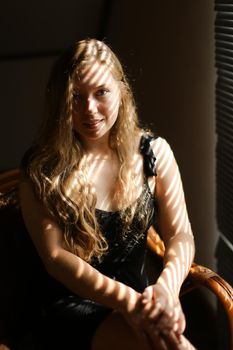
(181, 324)
(155, 311)
(147, 295)
(172, 341)
(155, 339)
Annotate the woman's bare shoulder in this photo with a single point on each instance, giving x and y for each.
(43, 229)
(160, 146)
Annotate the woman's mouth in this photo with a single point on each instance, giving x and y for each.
(93, 124)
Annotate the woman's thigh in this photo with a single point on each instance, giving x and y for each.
(115, 333)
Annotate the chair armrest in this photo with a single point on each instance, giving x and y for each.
(203, 276)
(9, 179)
(155, 243)
(199, 276)
(3, 347)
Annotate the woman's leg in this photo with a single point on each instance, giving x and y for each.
(115, 333)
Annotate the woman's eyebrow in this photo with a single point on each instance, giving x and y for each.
(95, 87)
(101, 86)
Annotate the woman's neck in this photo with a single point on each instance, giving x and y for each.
(97, 149)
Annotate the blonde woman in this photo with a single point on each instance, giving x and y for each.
(92, 185)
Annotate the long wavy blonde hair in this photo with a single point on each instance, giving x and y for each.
(58, 152)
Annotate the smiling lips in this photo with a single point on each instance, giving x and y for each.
(93, 124)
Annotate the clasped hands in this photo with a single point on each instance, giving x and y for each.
(158, 317)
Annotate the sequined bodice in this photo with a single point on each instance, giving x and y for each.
(125, 258)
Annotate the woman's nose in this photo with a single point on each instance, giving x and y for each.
(90, 105)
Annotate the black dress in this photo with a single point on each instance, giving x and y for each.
(68, 321)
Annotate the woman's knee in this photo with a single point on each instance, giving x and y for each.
(115, 333)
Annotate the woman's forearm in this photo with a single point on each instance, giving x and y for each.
(84, 280)
(179, 254)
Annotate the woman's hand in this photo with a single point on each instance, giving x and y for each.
(162, 308)
(142, 314)
(132, 310)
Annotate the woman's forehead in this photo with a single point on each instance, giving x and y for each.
(95, 74)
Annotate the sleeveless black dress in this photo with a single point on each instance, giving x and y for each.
(68, 321)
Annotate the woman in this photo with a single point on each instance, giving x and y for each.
(92, 185)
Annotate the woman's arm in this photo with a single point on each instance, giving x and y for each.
(174, 225)
(76, 274)
(162, 299)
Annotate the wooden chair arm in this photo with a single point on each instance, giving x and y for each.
(9, 179)
(4, 347)
(203, 276)
(199, 276)
(155, 243)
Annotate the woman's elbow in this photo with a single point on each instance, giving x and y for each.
(50, 261)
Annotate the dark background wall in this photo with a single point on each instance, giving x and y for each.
(168, 51)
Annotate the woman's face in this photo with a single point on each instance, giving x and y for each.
(96, 100)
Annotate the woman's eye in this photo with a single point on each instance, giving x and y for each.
(102, 92)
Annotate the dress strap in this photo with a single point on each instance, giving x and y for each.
(148, 155)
